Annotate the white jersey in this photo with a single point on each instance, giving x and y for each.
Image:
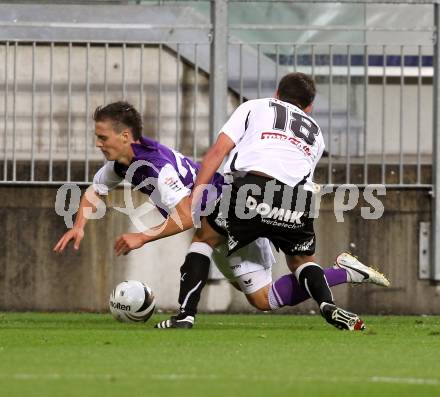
(170, 189)
(276, 138)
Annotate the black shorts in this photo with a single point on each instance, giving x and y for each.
(255, 206)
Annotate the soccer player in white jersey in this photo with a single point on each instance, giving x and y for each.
(272, 147)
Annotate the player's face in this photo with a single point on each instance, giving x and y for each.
(113, 145)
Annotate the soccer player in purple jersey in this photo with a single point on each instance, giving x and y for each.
(167, 177)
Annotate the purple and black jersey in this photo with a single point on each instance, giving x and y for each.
(160, 172)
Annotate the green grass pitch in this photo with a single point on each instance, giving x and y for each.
(225, 355)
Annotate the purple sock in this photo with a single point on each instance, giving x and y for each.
(286, 291)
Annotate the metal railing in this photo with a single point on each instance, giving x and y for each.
(370, 91)
(369, 105)
(51, 89)
(64, 75)
(52, 84)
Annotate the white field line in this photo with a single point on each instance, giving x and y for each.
(213, 377)
(409, 381)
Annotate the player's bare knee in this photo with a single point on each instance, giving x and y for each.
(259, 303)
(262, 305)
(260, 299)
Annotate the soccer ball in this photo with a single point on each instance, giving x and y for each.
(132, 301)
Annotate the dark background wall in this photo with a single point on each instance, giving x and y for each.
(32, 277)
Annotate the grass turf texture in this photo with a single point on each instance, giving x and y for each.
(248, 355)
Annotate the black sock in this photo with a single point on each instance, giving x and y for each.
(193, 276)
(312, 279)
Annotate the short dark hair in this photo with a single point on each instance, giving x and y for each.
(297, 89)
(121, 115)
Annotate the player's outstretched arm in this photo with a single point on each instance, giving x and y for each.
(179, 221)
(77, 232)
(211, 163)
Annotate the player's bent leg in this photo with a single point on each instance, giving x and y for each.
(256, 285)
(286, 291)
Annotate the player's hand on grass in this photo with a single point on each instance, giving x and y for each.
(75, 234)
(127, 242)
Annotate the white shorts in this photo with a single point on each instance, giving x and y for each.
(256, 258)
(254, 281)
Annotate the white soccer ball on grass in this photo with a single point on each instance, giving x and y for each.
(132, 301)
